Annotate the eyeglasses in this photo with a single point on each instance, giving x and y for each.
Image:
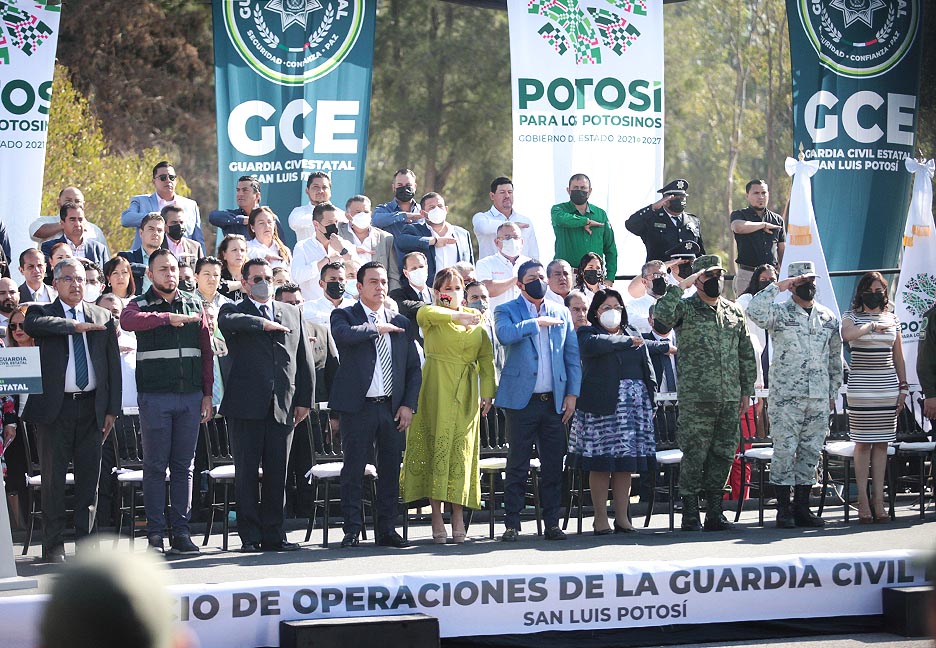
(657, 275)
(70, 279)
(614, 308)
(162, 177)
(13, 326)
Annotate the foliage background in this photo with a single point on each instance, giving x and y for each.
(138, 86)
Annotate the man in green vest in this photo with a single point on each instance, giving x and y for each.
(174, 377)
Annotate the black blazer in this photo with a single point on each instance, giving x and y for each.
(603, 357)
(354, 335)
(48, 325)
(408, 302)
(137, 267)
(325, 356)
(658, 351)
(25, 294)
(266, 366)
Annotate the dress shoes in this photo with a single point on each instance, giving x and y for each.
(155, 543)
(281, 546)
(601, 532)
(55, 556)
(251, 547)
(620, 529)
(182, 544)
(510, 535)
(350, 540)
(392, 539)
(554, 533)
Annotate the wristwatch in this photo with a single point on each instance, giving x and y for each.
(344, 251)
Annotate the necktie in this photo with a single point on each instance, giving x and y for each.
(383, 356)
(668, 372)
(265, 311)
(81, 358)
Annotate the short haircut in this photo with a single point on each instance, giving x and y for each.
(64, 209)
(332, 265)
(427, 196)
(318, 212)
(245, 270)
(91, 265)
(751, 183)
(151, 217)
(167, 209)
(356, 198)
(463, 266)
(207, 260)
(410, 255)
(579, 176)
(507, 226)
(164, 164)
(317, 174)
(184, 263)
(444, 276)
(70, 262)
(525, 267)
(22, 256)
(158, 253)
(473, 284)
(253, 180)
(501, 180)
(554, 263)
(108, 296)
(601, 297)
(406, 172)
(574, 294)
(370, 265)
(288, 287)
(649, 265)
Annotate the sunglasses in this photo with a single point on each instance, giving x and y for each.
(260, 278)
(162, 177)
(13, 326)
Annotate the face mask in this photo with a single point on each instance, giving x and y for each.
(677, 206)
(478, 305)
(683, 270)
(436, 216)
(175, 231)
(762, 284)
(536, 289)
(592, 277)
(187, 285)
(418, 276)
(713, 286)
(351, 289)
(659, 286)
(361, 220)
(806, 291)
(610, 319)
(578, 196)
(404, 194)
(511, 247)
(91, 293)
(331, 229)
(660, 329)
(450, 299)
(335, 289)
(872, 300)
(261, 291)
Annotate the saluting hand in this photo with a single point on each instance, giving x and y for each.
(546, 320)
(84, 327)
(178, 319)
(466, 319)
(686, 283)
(273, 327)
(386, 327)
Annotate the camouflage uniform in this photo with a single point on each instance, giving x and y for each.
(716, 369)
(805, 373)
(926, 354)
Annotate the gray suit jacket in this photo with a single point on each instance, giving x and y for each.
(384, 252)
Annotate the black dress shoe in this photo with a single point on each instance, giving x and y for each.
(554, 533)
(54, 557)
(620, 529)
(392, 539)
(600, 532)
(510, 535)
(281, 546)
(251, 547)
(350, 540)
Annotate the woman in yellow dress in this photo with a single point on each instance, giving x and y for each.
(442, 444)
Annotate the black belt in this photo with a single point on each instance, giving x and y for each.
(79, 395)
(542, 396)
(747, 267)
(377, 399)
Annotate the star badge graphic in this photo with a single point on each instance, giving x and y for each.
(862, 10)
(297, 11)
(680, 184)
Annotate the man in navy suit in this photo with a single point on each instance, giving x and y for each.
(539, 386)
(73, 233)
(443, 243)
(375, 392)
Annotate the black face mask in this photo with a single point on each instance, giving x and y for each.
(404, 194)
(872, 300)
(578, 196)
(762, 284)
(175, 231)
(331, 229)
(334, 289)
(806, 291)
(683, 270)
(592, 277)
(659, 286)
(713, 286)
(536, 288)
(677, 205)
(660, 329)
(187, 285)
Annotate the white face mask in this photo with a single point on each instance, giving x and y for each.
(610, 319)
(351, 289)
(91, 293)
(511, 247)
(436, 216)
(361, 220)
(418, 276)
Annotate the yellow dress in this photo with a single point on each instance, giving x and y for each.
(441, 459)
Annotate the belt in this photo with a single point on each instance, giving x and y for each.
(747, 267)
(79, 395)
(377, 399)
(542, 396)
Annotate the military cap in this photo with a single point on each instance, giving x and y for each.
(707, 262)
(802, 269)
(678, 187)
(683, 249)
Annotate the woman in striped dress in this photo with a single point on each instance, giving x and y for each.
(877, 388)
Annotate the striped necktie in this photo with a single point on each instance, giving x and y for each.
(383, 356)
(81, 358)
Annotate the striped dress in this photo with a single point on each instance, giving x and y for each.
(873, 387)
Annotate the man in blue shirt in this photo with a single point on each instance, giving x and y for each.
(393, 216)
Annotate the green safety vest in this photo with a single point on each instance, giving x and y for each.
(169, 357)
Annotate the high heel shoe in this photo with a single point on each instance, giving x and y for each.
(458, 537)
(865, 519)
(881, 518)
(440, 537)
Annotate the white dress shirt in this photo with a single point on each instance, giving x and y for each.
(485, 227)
(257, 250)
(497, 267)
(318, 311)
(261, 305)
(377, 387)
(445, 255)
(70, 384)
(300, 220)
(45, 294)
(128, 394)
(638, 310)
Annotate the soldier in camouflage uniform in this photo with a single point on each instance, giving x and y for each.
(805, 376)
(926, 363)
(716, 375)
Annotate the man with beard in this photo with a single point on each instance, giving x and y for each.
(9, 300)
(715, 379)
(758, 233)
(666, 223)
(805, 376)
(580, 228)
(174, 374)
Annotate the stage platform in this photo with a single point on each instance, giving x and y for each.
(655, 550)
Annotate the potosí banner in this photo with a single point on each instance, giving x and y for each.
(856, 69)
(587, 98)
(293, 81)
(28, 35)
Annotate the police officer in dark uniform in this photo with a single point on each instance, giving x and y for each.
(665, 224)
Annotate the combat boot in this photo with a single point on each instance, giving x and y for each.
(714, 519)
(784, 514)
(690, 513)
(802, 516)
